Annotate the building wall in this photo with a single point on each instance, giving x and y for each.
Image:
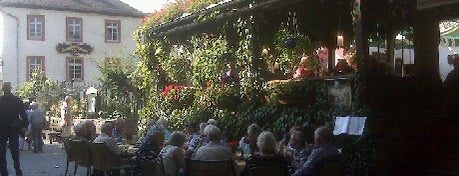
(55, 33)
(8, 44)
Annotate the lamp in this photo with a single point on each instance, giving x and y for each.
(339, 40)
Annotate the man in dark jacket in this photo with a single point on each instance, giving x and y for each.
(11, 125)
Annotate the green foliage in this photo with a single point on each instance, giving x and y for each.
(290, 47)
(294, 92)
(177, 64)
(175, 10)
(234, 104)
(45, 91)
(208, 63)
(117, 96)
(252, 84)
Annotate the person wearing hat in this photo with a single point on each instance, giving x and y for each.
(192, 138)
(11, 125)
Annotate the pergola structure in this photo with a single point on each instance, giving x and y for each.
(411, 130)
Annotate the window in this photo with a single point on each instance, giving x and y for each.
(35, 63)
(112, 31)
(35, 27)
(74, 29)
(75, 69)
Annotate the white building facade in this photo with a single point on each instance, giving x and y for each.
(66, 41)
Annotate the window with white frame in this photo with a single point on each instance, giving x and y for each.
(112, 31)
(74, 29)
(35, 27)
(75, 69)
(35, 63)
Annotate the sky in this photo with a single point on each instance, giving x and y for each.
(146, 6)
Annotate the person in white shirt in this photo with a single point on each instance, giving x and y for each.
(173, 154)
(213, 150)
(37, 121)
(106, 137)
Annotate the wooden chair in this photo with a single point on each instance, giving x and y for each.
(210, 167)
(68, 152)
(81, 154)
(54, 133)
(267, 170)
(103, 159)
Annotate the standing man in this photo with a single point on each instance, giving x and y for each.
(11, 125)
(38, 121)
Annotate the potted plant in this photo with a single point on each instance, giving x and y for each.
(178, 97)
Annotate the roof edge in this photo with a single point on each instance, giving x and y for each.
(29, 6)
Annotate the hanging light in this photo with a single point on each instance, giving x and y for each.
(340, 40)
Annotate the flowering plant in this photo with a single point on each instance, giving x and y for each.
(178, 96)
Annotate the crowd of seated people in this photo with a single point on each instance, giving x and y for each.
(206, 142)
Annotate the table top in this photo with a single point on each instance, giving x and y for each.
(131, 149)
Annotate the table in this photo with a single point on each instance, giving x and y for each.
(130, 149)
(54, 136)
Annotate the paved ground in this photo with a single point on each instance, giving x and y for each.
(51, 162)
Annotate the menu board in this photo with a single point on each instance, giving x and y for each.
(424, 4)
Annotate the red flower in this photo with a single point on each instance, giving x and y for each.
(176, 97)
(233, 144)
(208, 83)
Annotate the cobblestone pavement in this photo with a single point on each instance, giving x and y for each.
(51, 162)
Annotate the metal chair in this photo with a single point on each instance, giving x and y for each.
(68, 152)
(82, 155)
(210, 167)
(103, 159)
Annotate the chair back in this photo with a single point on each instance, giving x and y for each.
(102, 158)
(210, 167)
(68, 149)
(267, 170)
(81, 152)
(332, 168)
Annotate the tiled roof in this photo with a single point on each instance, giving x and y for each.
(106, 7)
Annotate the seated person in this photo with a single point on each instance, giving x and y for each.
(301, 149)
(149, 149)
(106, 137)
(251, 139)
(284, 145)
(153, 142)
(164, 123)
(323, 151)
(213, 150)
(172, 154)
(305, 69)
(85, 131)
(192, 139)
(118, 132)
(267, 155)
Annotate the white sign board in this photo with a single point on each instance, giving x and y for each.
(349, 125)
